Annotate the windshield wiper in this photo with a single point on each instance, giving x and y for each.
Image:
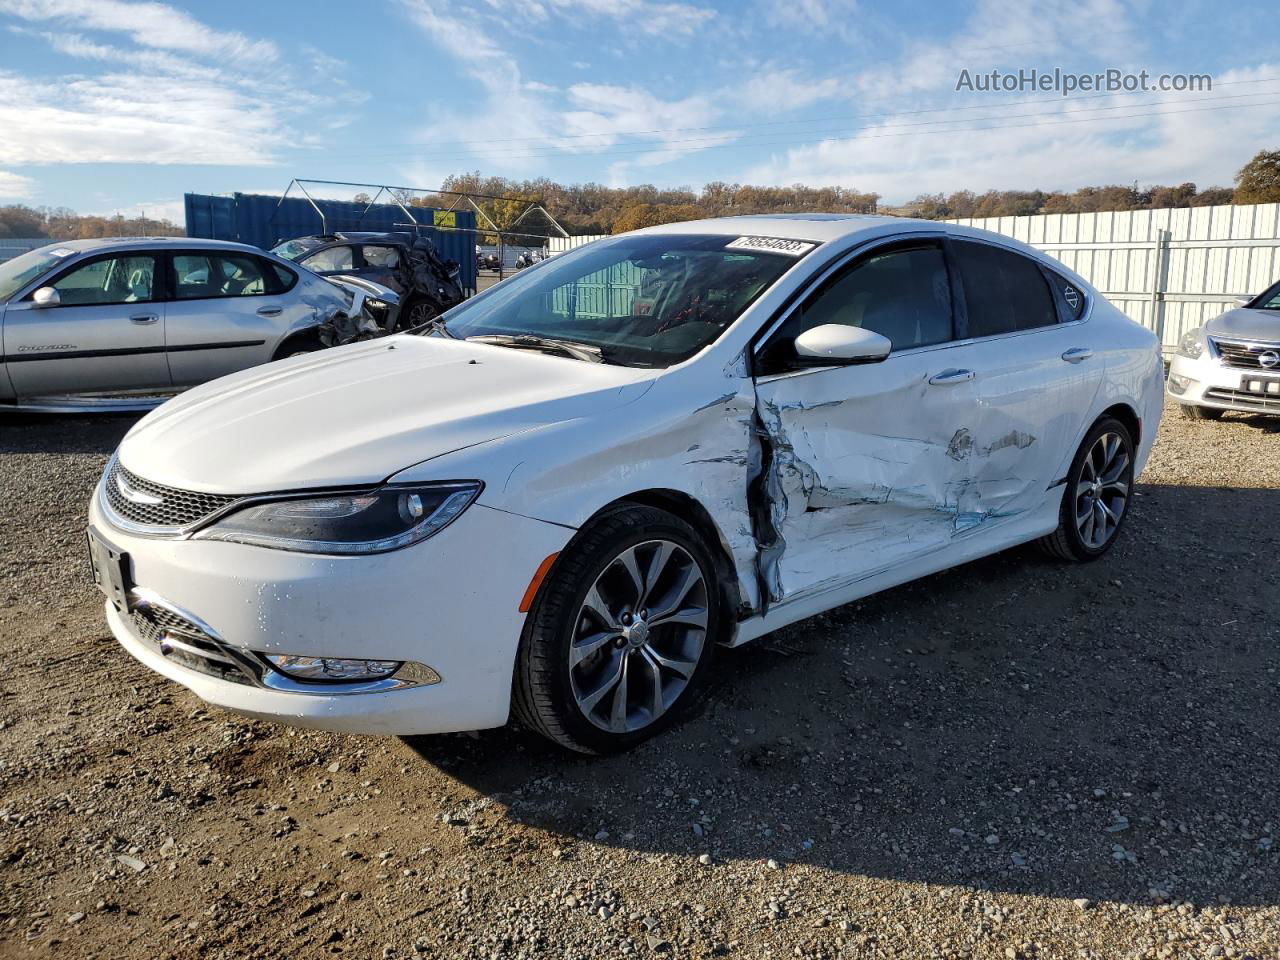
(527, 341)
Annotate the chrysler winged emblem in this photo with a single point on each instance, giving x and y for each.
(134, 495)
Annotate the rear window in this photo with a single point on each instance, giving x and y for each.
(1004, 291)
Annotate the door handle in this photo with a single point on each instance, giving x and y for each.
(144, 317)
(947, 377)
(270, 311)
(1076, 354)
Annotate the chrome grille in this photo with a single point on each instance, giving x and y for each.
(1244, 399)
(1245, 353)
(186, 643)
(175, 508)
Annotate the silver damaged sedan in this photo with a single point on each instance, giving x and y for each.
(123, 323)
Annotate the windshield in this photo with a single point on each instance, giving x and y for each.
(293, 249)
(646, 301)
(18, 272)
(1269, 300)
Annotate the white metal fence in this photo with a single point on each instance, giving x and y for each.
(1169, 269)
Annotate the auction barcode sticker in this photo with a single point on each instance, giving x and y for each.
(791, 248)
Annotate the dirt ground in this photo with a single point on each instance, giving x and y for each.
(1012, 759)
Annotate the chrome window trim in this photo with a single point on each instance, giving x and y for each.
(857, 251)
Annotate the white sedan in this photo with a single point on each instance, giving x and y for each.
(560, 499)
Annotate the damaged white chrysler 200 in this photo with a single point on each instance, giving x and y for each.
(563, 496)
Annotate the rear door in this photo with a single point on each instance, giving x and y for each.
(228, 311)
(867, 464)
(380, 262)
(105, 336)
(1038, 376)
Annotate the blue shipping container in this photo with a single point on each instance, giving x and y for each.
(265, 221)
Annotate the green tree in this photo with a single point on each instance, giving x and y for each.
(1259, 180)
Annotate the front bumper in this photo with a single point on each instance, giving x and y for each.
(451, 603)
(1208, 382)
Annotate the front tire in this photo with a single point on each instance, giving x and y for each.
(1192, 412)
(1096, 499)
(621, 635)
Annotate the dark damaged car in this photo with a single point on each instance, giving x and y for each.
(408, 264)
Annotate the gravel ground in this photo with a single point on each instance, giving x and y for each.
(1012, 759)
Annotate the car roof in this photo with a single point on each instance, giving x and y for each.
(833, 227)
(819, 227)
(101, 244)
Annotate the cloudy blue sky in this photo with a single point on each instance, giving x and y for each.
(114, 105)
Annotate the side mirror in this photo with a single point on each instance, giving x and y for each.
(834, 344)
(1241, 301)
(46, 297)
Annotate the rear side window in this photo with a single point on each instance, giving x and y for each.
(1069, 296)
(381, 256)
(286, 278)
(199, 276)
(1003, 291)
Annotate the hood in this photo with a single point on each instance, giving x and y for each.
(360, 413)
(1245, 324)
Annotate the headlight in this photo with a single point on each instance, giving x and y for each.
(1192, 344)
(351, 523)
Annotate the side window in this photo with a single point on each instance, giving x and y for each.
(124, 279)
(285, 278)
(199, 276)
(1003, 291)
(901, 293)
(1069, 296)
(381, 257)
(332, 258)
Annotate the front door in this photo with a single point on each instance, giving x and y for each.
(868, 466)
(105, 336)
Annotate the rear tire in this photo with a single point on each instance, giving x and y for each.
(1200, 413)
(621, 635)
(1096, 498)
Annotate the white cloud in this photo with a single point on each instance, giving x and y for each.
(14, 186)
(518, 118)
(1171, 145)
(186, 94)
(155, 25)
(128, 118)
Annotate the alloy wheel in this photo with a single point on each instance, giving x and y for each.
(420, 313)
(639, 636)
(1102, 490)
